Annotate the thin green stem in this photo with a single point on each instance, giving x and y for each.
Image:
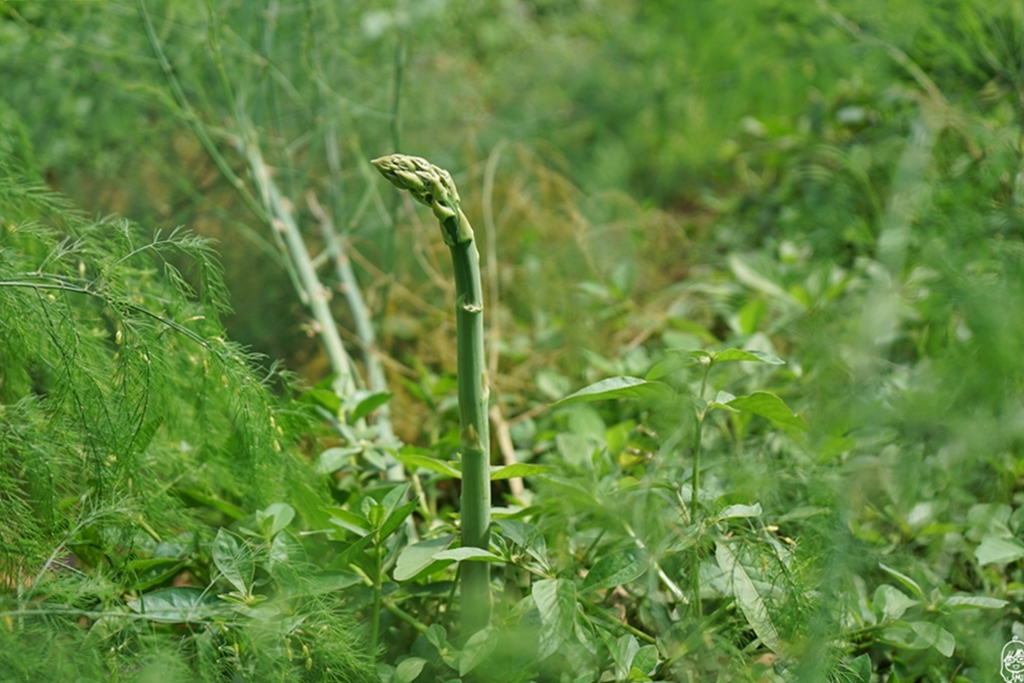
(695, 511)
(378, 581)
(200, 129)
(396, 93)
(405, 616)
(58, 283)
(698, 427)
(193, 119)
(388, 252)
(596, 611)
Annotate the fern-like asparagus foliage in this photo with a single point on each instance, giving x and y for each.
(137, 446)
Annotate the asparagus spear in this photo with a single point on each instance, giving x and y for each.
(434, 187)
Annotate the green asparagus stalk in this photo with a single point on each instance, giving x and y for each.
(434, 187)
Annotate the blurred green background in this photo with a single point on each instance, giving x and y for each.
(838, 183)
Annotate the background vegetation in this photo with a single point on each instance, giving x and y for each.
(677, 195)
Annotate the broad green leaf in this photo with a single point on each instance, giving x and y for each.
(375, 458)
(936, 636)
(860, 667)
(802, 512)
(576, 449)
(618, 387)
(905, 580)
(556, 602)
(369, 404)
(663, 368)
(736, 355)
(436, 636)
(396, 518)
(413, 460)
(688, 330)
(901, 635)
(890, 602)
(234, 560)
(348, 520)
(613, 570)
(333, 459)
(988, 520)
(995, 550)
(308, 504)
(395, 497)
(755, 280)
(223, 506)
(144, 574)
(324, 397)
(770, 406)
(623, 651)
(275, 518)
(350, 553)
(478, 648)
(464, 554)
(526, 536)
(328, 582)
(176, 605)
(721, 402)
(752, 315)
(750, 602)
(974, 602)
(735, 511)
(1017, 519)
(617, 436)
(375, 513)
(551, 383)
(417, 557)
(408, 669)
(285, 551)
(646, 660)
(586, 635)
(520, 469)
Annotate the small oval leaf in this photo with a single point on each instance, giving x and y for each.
(415, 558)
(613, 570)
(747, 597)
(464, 554)
(519, 469)
(234, 560)
(408, 669)
(733, 355)
(974, 602)
(936, 636)
(445, 467)
(770, 406)
(176, 605)
(995, 550)
(618, 387)
(369, 404)
(735, 511)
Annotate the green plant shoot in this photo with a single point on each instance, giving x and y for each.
(434, 187)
